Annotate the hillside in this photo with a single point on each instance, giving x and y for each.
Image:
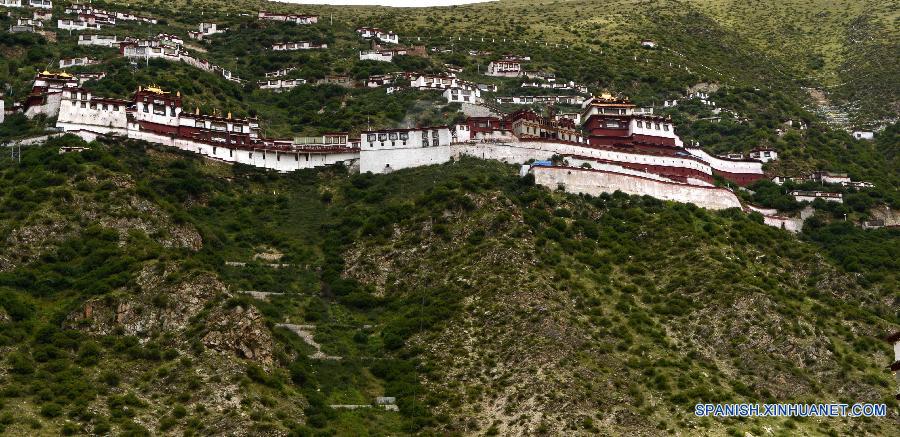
(482, 303)
(703, 45)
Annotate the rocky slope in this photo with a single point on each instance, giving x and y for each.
(481, 303)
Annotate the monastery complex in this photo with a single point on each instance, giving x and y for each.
(615, 147)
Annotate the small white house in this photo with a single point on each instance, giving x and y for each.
(205, 30)
(77, 62)
(280, 84)
(463, 94)
(383, 55)
(43, 15)
(378, 34)
(11, 3)
(76, 25)
(863, 135)
(288, 18)
(99, 40)
(506, 67)
(764, 155)
(809, 196)
(42, 4)
(648, 44)
(302, 45)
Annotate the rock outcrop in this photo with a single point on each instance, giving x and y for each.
(164, 305)
(241, 331)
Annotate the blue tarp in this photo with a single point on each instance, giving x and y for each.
(542, 164)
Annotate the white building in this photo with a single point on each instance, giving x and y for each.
(386, 150)
(42, 15)
(99, 40)
(76, 25)
(205, 30)
(42, 4)
(648, 44)
(280, 73)
(380, 55)
(124, 16)
(280, 84)
(863, 135)
(562, 86)
(488, 87)
(77, 62)
(22, 29)
(302, 45)
(11, 3)
(506, 67)
(427, 82)
(378, 34)
(465, 93)
(29, 22)
(809, 196)
(764, 155)
(50, 87)
(79, 110)
(289, 18)
(379, 80)
(542, 100)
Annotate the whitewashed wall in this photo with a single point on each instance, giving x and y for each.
(520, 152)
(597, 182)
(73, 118)
(386, 160)
(728, 166)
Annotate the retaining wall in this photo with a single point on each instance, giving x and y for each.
(596, 182)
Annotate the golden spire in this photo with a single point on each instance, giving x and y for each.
(229, 115)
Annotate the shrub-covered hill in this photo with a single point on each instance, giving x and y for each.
(482, 303)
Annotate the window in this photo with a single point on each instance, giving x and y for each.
(656, 126)
(424, 141)
(172, 111)
(612, 123)
(199, 124)
(392, 135)
(640, 123)
(434, 134)
(382, 137)
(371, 138)
(236, 128)
(404, 136)
(146, 108)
